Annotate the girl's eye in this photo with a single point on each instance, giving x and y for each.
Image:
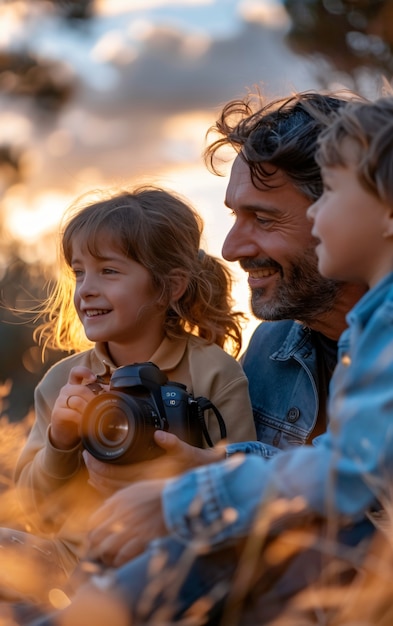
(109, 270)
(77, 273)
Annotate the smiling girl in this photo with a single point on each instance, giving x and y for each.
(134, 287)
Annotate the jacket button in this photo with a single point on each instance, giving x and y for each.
(293, 414)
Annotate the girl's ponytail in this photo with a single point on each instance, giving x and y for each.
(207, 305)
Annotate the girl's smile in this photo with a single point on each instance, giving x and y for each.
(95, 312)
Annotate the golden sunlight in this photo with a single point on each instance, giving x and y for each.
(28, 218)
(11, 24)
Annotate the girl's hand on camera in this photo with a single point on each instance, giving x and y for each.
(69, 407)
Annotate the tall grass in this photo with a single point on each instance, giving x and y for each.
(282, 535)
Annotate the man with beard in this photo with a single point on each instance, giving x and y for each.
(273, 180)
(176, 543)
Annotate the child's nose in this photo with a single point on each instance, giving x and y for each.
(312, 210)
(88, 287)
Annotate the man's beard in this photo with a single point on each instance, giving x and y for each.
(303, 295)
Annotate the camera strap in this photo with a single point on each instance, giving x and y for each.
(201, 405)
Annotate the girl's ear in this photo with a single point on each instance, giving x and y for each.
(179, 282)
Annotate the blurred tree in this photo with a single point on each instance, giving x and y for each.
(74, 9)
(67, 9)
(47, 83)
(10, 165)
(350, 33)
(21, 287)
(45, 86)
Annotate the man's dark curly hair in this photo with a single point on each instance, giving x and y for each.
(282, 133)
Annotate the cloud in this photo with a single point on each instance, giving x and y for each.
(142, 78)
(174, 70)
(113, 7)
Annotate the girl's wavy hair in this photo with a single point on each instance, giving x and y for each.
(162, 232)
(369, 128)
(282, 133)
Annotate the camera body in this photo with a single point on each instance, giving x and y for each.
(118, 425)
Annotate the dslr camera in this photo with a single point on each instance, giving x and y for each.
(118, 425)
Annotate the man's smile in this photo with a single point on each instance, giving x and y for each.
(262, 272)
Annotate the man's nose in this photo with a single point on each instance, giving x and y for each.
(239, 244)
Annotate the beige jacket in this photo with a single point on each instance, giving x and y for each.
(47, 478)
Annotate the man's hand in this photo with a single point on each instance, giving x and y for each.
(179, 457)
(127, 522)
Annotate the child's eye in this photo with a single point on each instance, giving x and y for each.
(77, 272)
(109, 270)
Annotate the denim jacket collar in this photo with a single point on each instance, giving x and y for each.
(370, 302)
(296, 341)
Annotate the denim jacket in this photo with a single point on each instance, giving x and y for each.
(349, 471)
(281, 364)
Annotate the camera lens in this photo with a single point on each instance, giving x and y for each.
(112, 427)
(118, 428)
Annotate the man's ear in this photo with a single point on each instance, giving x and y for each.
(179, 281)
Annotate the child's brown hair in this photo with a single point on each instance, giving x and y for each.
(162, 232)
(368, 128)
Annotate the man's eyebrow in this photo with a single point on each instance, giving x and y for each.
(256, 208)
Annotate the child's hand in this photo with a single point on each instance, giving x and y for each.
(69, 407)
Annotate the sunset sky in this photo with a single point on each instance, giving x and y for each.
(151, 77)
